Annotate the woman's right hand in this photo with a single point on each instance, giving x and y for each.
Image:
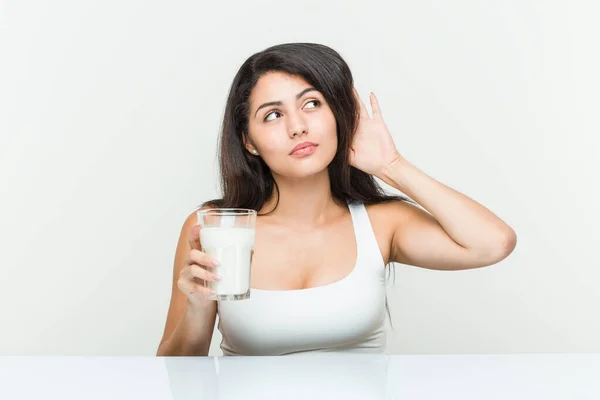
(196, 271)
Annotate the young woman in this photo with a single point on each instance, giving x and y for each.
(299, 147)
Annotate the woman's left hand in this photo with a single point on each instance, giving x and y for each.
(373, 148)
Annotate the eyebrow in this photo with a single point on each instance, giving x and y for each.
(279, 103)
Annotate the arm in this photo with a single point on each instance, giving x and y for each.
(188, 330)
(456, 232)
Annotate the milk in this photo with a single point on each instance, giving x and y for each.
(232, 247)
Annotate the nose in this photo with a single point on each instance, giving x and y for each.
(297, 126)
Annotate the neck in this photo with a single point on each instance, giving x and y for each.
(306, 201)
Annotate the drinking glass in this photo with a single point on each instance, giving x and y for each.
(227, 235)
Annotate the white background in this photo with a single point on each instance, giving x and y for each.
(109, 115)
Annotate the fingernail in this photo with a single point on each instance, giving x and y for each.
(215, 262)
(218, 277)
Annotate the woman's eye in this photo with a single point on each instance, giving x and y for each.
(271, 113)
(316, 102)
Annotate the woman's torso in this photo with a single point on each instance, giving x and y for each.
(329, 296)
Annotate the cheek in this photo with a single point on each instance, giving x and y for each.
(327, 130)
(271, 144)
(271, 141)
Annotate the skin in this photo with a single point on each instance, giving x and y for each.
(309, 240)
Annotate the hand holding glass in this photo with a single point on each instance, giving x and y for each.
(227, 235)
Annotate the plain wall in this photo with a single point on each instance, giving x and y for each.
(109, 116)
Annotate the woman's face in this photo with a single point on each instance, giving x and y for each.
(284, 113)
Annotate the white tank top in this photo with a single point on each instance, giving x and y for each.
(347, 315)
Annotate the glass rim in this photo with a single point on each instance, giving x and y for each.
(227, 211)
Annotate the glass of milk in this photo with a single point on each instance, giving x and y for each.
(227, 234)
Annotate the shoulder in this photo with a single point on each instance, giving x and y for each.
(398, 215)
(389, 213)
(385, 219)
(189, 231)
(191, 219)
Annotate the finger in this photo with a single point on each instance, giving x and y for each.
(200, 258)
(195, 290)
(363, 110)
(194, 237)
(201, 273)
(375, 106)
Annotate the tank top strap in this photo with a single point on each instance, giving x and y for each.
(366, 242)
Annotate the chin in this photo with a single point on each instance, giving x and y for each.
(304, 168)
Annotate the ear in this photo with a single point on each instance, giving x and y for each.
(248, 143)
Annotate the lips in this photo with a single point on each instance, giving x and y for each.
(302, 145)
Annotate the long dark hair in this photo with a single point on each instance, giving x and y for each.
(246, 181)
